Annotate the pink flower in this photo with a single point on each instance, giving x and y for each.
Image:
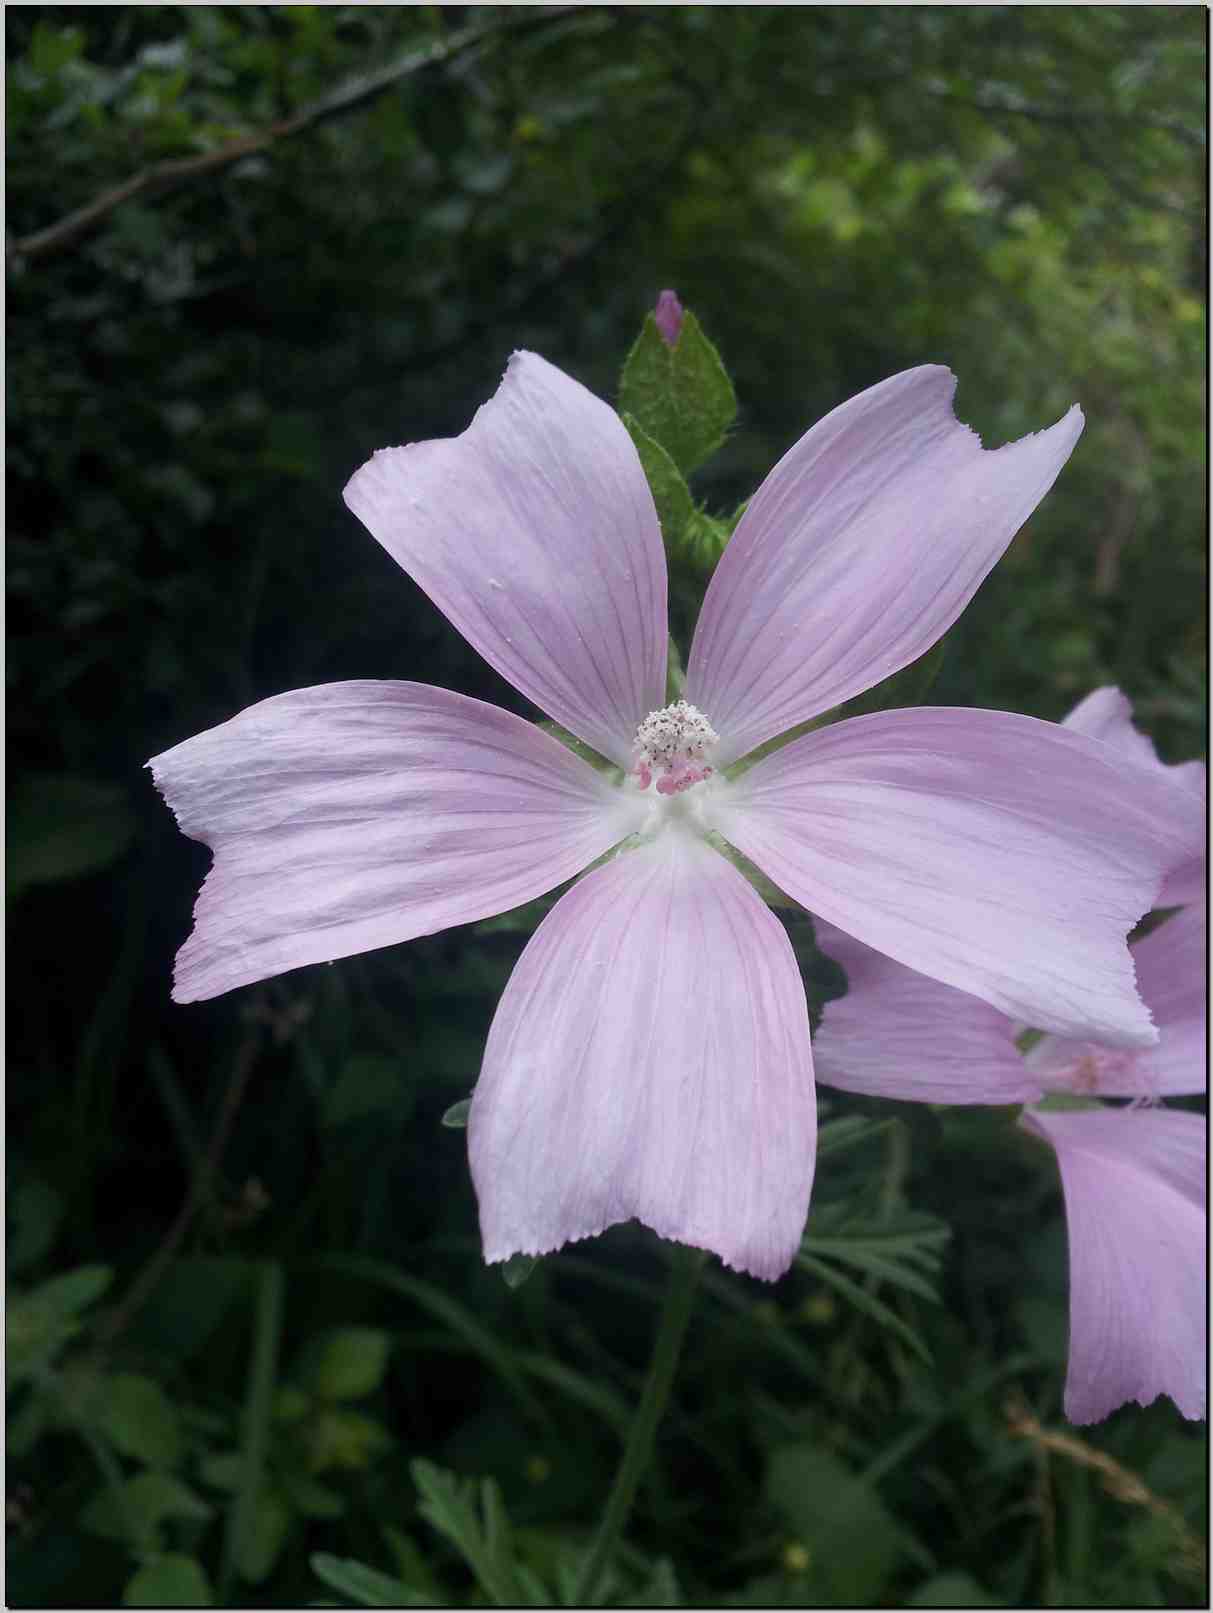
(650, 1055)
(1133, 1178)
(668, 315)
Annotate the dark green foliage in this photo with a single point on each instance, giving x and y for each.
(335, 224)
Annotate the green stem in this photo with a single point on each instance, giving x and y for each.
(638, 1450)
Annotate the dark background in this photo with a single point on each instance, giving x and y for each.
(193, 373)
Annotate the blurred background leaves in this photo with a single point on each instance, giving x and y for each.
(334, 225)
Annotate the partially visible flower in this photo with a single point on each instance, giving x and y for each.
(1106, 714)
(668, 315)
(650, 1055)
(1133, 1178)
(1134, 1184)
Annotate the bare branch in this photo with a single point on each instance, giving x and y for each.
(170, 175)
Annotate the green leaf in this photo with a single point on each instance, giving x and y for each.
(462, 1324)
(151, 1497)
(364, 1086)
(955, 1589)
(308, 1496)
(346, 1364)
(854, 1545)
(365, 1587)
(680, 396)
(36, 1211)
(456, 1117)
(481, 1536)
(265, 1536)
(140, 1419)
(61, 826)
(169, 1581)
(671, 495)
(41, 1322)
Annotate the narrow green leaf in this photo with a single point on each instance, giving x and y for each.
(258, 1405)
(462, 1324)
(848, 1131)
(680, 396)
(265, 1537)
(868, 1303)
(365, 1587)
(449, 1505)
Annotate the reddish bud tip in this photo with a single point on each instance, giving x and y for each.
(668, 315)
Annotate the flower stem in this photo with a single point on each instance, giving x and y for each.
(675, 1315)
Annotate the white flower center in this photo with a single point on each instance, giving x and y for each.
(671, 748)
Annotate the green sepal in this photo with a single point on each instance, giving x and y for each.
(516, 1270)
(671, 495)
(1061, 1102)
(456, 1117)
(675, 674)
(680, 396)
(767, 889)
(577, 746)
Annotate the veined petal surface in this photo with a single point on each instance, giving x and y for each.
(355, 815)
(650, 1059)
(900, 1034)
(1134, 1184)
(860, 549)
(1106, 714)
(1172, 976)
(535, 534)
(1002, 855)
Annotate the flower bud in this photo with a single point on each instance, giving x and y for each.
(668, 314)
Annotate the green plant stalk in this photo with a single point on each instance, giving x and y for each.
(638, 1450)
(267, 1333)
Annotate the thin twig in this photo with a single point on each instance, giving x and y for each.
(1117, 1480)
(177, 171)
(148, 1280)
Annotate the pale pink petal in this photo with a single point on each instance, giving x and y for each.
(900, 1034)
(1004, 856)
(650, 1059)
(860, 549)
(355, 815)
(535, 534)
(1106, 714)
(1190, 881)
(1172, 977)
(1134, 1183)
